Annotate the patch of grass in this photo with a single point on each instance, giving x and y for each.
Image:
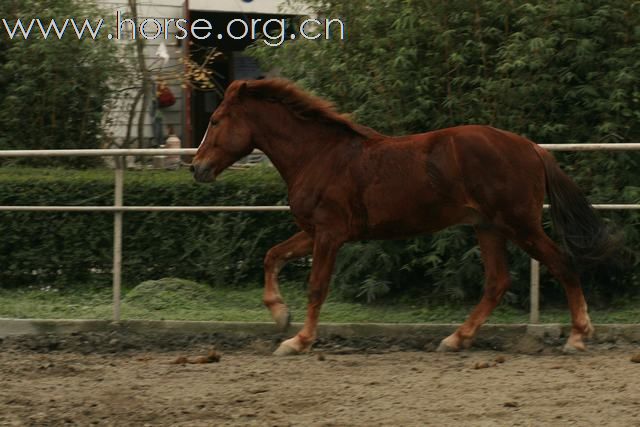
(48, 302)
(174, 299)
(168, 294)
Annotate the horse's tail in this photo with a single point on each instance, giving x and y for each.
(585, 237)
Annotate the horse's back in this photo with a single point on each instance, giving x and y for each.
(502, 172)
(465, 174)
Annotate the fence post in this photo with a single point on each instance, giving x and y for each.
(534, 315)
(117, 236)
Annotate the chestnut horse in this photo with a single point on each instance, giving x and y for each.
(347, 182)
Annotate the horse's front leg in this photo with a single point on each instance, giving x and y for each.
(297, 246)
(325, 249)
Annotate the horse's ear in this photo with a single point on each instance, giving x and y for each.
(243, 90)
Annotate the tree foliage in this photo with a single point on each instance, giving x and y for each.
(562, 71)
(53, 92)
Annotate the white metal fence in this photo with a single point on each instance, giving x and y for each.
(119, 209)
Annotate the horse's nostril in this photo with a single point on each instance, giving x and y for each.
(192, 168)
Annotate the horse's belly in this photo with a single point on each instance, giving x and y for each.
(400, 220)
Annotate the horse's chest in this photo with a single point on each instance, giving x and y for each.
(328, 207)
(302, 209)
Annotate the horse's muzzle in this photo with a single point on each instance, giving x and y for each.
(202, 173)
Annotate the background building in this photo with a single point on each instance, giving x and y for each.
(189, 116)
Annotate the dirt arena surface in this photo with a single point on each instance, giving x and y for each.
(85, 379)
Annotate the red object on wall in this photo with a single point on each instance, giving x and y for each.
(166, 98)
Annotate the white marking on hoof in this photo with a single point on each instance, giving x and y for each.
(286, 350)
(446, 348)
(590, 330)
(574, 347)
(292, 346)
(575, 342)
(449, 344)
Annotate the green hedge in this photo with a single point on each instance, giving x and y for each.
(219, 248)
(228, 248)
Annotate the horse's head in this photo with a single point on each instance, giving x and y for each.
(228, 137)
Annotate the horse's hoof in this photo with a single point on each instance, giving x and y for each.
(589, 332)
(284, 321)
(574, 348)
(446, 348)
(285, 350)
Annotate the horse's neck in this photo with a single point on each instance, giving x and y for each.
(294, 144)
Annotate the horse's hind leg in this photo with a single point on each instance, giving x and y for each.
(497, 281)
(297, 246)
(542, 248)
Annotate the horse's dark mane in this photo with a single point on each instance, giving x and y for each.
(303, 104)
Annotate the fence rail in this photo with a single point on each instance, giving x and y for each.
(26, 208)
(118, 208)
(111, 152)
(145, 208)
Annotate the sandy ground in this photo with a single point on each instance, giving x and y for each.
(333, 386)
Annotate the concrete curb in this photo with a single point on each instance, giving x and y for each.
(506, 332)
